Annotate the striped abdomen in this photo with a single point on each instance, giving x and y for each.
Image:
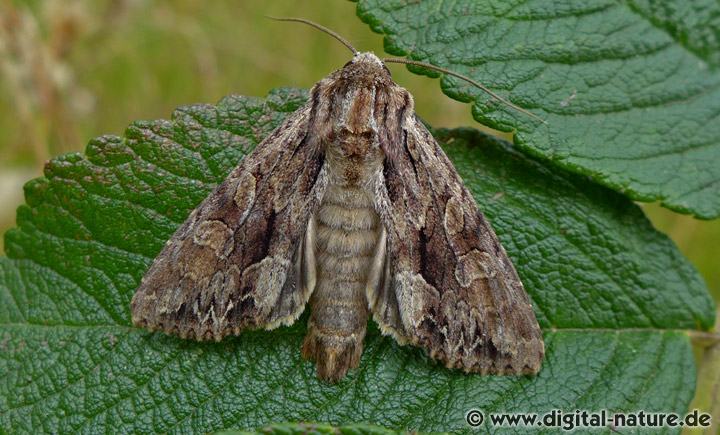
(347, 230)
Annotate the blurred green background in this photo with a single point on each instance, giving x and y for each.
(72, 70)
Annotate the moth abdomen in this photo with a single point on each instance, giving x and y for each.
(347, 235)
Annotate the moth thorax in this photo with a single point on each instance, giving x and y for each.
(353, 159)
(359, 116)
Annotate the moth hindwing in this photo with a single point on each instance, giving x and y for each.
(350, 206)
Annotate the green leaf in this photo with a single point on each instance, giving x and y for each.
(630, 90)
(612, 294)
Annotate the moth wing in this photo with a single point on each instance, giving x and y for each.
(447, 284)
(238, 261)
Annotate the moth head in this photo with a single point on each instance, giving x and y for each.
(366, 69)
(364, 102)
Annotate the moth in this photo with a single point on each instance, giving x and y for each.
(352, 208)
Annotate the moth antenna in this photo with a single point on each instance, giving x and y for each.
(467, 79)
(319, 27)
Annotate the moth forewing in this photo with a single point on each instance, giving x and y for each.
(352, 207)
(227, 267)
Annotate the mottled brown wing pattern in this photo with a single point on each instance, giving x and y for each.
(236, 262)
(448, 284)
